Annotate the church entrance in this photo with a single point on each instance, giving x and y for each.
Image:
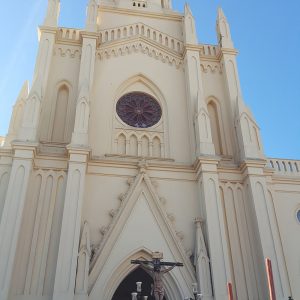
(128, 285)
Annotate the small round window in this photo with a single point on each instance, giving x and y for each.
(298, 215)
(139, 110)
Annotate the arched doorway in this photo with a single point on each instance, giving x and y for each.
(128, 285)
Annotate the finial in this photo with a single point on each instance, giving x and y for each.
(190, 33)
(52, 15)
(223, 30)
(92, 14)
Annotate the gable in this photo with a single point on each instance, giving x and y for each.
(141, 223)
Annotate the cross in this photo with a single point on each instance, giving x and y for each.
(155, 267)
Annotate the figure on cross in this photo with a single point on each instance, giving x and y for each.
(158, 268)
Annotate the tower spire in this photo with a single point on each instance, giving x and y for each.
(189, 26)
(223, 30)
(92, 14)
(52, 15)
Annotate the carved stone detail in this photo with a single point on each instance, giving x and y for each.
(143, 47)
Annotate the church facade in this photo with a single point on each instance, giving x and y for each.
(134, 138)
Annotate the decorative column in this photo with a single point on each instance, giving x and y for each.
(86, 76)
(65, 278)
(202, 263)
(13, 212)
(200, 130)
(5, 169)
(64, 286)
(247, 138)
(83, 267)
(213, 212)
(260, 206)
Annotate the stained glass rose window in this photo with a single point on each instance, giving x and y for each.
(139, 110)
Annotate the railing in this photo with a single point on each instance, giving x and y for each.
(209, 50)
(69, 34)
(285, 166)
(140, 29)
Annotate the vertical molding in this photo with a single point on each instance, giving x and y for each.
(217, 240)
(12, 215)
(54, 236)
(86, 78)
(278, 245)
(235, 245)
(4, 180)
(266, 227)
(64, 285)
(247, 254)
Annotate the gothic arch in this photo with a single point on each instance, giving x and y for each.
(141, 198)
(124, 269)
(141, 83)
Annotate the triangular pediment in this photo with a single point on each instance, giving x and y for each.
(141, 223)
(143, 45)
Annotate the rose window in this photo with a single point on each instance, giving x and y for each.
(139, 110)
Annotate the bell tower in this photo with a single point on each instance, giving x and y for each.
(154, 5)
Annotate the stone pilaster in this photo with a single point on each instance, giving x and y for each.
(13, 212)
(86, 77)
(261, 209)
(64, 286)
(5, 169)
(213, 211)
(199, 123)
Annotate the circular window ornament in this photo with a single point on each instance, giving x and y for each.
(139, 110)
(298, 215)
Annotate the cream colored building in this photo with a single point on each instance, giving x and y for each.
(135, 138)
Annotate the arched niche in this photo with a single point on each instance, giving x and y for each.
(60, 114)
(59, 104)
(217, 126)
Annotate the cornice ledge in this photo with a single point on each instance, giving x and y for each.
(253, 163)
(19, 144)
(90, 34)
(171, 16)
(79, 149)
(283, 179)
(206, 160)
(230, 51)
(48, 29)
(5, 151)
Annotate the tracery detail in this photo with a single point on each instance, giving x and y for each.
(139, 110)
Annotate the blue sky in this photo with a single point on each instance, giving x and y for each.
(266, 33)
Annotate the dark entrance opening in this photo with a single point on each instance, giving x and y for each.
(128, 285)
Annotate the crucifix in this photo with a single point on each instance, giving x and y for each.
(157, 267)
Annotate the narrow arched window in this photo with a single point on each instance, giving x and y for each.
(122, 144)
(133, 145)
(145, 146)
(215, 127)
(156, 147)
(60, 116)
